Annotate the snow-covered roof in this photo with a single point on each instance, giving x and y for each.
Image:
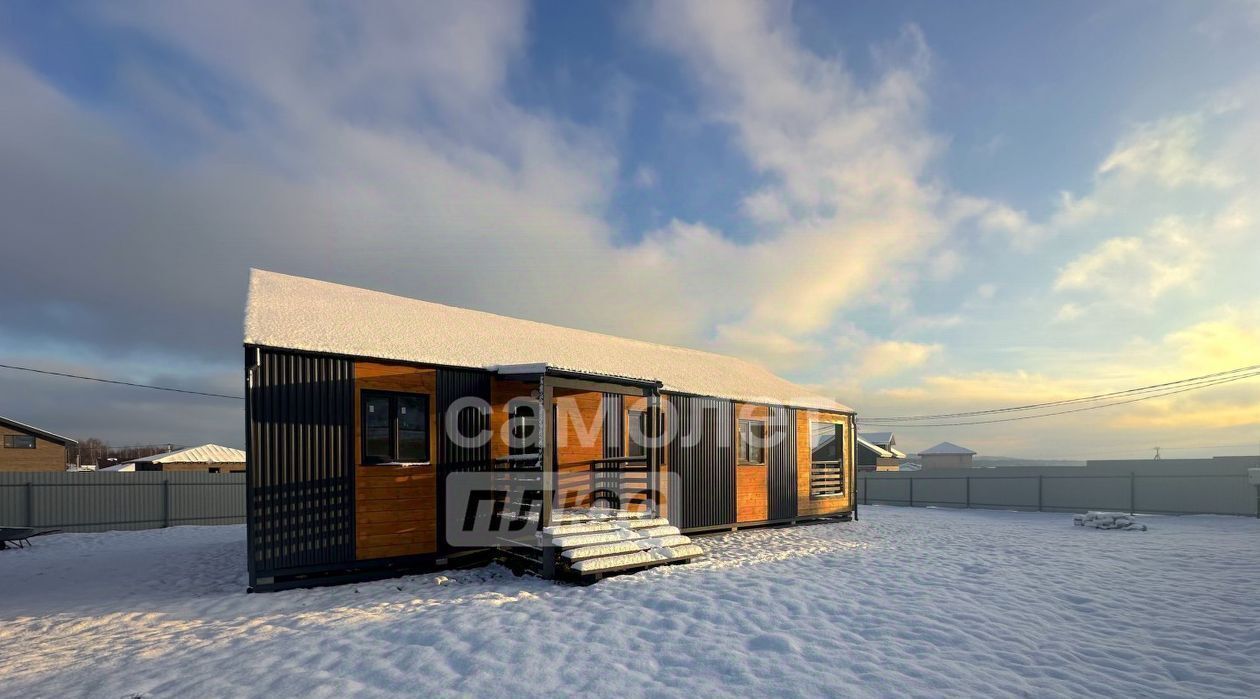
(883, 439)
(124, 466)
(23, 427)
(204, 454)
(947, 448)
(879, 451)
(287, 312)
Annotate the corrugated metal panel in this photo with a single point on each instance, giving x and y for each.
(783, 463)
(300, 474)
(452, 385)
(95, 501)
(608, 476)
(702, 458)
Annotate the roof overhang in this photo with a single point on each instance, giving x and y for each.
(23, 427)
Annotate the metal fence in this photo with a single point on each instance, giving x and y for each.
(93, 502)
(1219, 493)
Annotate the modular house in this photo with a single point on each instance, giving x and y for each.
(369, 415)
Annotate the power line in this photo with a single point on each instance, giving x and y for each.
(120, 383)
(1143, 389)
(1078, 410)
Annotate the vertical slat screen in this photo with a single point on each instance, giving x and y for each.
(783, 463)
(608, 477)
(452, 385)
(702, 457)
(300, 472)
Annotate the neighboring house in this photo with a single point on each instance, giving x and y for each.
(207, 458)
(877, 451)
(363, 408)
(946, 455)
(27, 448)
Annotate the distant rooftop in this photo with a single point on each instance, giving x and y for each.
(947, 448)
(880, 438)
(206, 453)
(23, 427)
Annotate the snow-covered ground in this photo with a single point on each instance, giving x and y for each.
(905, 602)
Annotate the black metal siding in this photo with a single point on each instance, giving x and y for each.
(702, 458)
(452, 385)
(608, 476)
(783, 463)
(300, 470)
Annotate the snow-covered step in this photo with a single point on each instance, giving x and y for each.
(641, 523)
(623, 560)
(671, 553)
(582, 528)
(575, 540)
(597, 550)
(659, 542)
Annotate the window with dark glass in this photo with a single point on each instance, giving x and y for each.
(395, 427)
(826, 467)
(19, 441)
(636, 426)
(752, 442)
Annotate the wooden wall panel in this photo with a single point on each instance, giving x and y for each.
(752, 482)
(395, 511)
(579, 438)
(807, 506)
(395, 506)
(501, 392)
(46, 456)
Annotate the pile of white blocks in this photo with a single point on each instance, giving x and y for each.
(1108, 520)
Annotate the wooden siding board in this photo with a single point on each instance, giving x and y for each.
(395, 506)
(579, 439)
(501, 393)
(807, 506)
(752, 494)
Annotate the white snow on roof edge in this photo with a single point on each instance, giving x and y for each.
(206, 453)
(288, 312)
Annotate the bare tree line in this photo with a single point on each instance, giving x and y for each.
(93, 451)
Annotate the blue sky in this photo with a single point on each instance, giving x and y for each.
(917, 207)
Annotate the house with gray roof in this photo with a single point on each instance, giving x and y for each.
(946, 455)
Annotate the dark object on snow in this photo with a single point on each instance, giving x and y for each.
(20, 537)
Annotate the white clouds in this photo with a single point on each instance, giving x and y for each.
(1068, 312)
(847, 199)
(1193, 200)
(997, 219)
(1166, 151)
(379, 146)
(644, 177)
(1136, 271)
(892, 357)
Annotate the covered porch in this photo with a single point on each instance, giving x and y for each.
(579, 462)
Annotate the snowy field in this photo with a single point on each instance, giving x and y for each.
(904, 603)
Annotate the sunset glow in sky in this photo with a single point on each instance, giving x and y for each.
(917, 207)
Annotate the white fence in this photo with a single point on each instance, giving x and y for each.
(1063, 491)
(93, 501)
